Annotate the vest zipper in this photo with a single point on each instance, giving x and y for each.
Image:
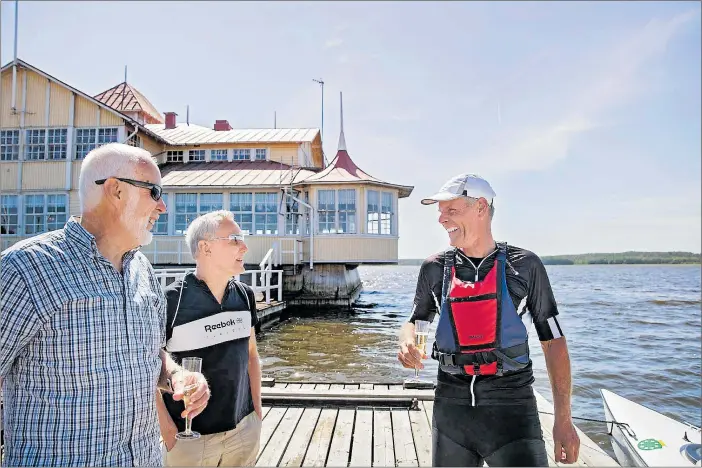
(472, 392)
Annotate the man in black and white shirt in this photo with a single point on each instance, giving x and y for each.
(213, 317)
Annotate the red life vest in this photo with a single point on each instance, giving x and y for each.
(479, 330)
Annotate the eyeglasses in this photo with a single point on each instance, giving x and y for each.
(156, 190)
(237, 238)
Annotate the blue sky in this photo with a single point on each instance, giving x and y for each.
(585, 117)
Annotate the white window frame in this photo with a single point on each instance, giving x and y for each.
(18, 225)
(254, 213)
(323, 214)
(201, 152)
(98, 141)
(11, 148)
(379, 221)
(260, 151)
(163, 218)
(237, 152)
(45, 212)
(218, 153)
(337, 212)
(174, 156)
(199, 210)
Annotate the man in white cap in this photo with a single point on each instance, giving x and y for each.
(487, 294)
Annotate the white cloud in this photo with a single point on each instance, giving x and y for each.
(335, 42)
(614, 81)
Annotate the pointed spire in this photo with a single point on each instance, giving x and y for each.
(342, 140)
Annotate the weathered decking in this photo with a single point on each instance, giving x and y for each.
(313, 424)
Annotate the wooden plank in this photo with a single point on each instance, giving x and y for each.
(362, 446)
(421, 431)
(383, 450)
(336, 387)
(264, 412)
(428, 410)
(319, 445)
(351, 386)
(322, 386)
(280, 438)
(395, 387)
(380, 387)
(291, 386)
(337, 391)
(270, 423)
(340, 447)
(405, 453)
(307, 386)
(366, 386)
(295, 453)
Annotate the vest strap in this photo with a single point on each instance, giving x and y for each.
(481, 357)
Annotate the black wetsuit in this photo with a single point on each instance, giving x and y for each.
(503, 427)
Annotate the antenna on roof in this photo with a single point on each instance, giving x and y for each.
(124, 90)
(14, 63)
(275, 118)
(187, 115)
(321, 130)
(342, 140)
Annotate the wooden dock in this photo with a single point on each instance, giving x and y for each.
(322, 424)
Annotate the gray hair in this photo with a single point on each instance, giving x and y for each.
(472, 201)
(205, 227)
(111, 160)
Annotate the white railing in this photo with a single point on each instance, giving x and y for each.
(266, 269)
(296, 251)
(265, 287)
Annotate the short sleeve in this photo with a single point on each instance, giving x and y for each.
(428, 292)
(541, 303)
(18, 315)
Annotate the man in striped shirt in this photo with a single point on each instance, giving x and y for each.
(83, 327)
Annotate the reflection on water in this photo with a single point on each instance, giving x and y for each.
(634, 330)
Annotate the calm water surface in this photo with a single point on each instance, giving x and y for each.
(634, 330)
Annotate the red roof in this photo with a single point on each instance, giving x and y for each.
(126, 98)
(230, 174)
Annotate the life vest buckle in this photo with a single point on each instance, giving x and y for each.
(446, 359)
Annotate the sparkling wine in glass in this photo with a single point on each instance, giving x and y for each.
(189, 364)
(421, 334)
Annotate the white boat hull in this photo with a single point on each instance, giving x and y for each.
(649, 438)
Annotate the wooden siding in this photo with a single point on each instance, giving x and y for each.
(108, 119)
(284, 154)
(73, 203)
(36, 100)
(8, 176)
(7, 118)
(44, 175)
(348, 248)
(151, 145)
(86, 113)
(75, 173)
(317, 156)
(59, 106)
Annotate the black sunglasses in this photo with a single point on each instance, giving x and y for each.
(155, 189)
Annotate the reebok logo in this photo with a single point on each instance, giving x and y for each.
(228, 323)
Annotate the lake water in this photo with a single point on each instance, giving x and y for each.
(634, 330)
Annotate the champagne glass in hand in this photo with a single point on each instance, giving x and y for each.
(188, 365)
(421, 333)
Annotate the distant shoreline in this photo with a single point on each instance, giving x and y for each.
(622, 258)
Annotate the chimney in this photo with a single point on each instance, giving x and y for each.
(222, 125)
(170, 120)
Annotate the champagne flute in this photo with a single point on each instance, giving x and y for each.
(189, 364)
(421, 333)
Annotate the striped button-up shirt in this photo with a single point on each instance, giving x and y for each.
(79, 353)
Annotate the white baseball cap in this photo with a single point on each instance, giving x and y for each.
(463, 185)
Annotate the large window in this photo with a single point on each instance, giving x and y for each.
(161, 226)
(241, 205)
(326, 211)
(292, 215)
(174, 156)
(336, 211)
(218, 155)
(242, 155)
(9, 214)
(261, 154)
(189, 206)
(380, 212)
(87, 139)
(57, 140)
(196, 155)
(9, 145)
(44, 213)
(256, 213)
(35, 144)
